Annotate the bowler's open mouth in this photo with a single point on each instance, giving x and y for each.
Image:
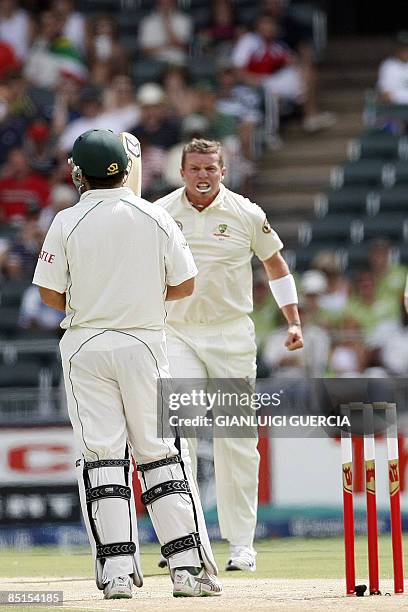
(203, 187)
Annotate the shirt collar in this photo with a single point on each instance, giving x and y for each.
(97, 194)
(218, 202)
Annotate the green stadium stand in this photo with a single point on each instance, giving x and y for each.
(398, 174)
(347, 200)
(364, 172)
(393, 200)
(392, 226)
(378, 145)
(330, 229)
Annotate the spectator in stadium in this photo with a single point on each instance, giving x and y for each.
(389, 276)
(21, 189)
(103, 49)
(348, 358)
(11, 268)
(17, 110)
(74, 23)
(265, 61)
(90, 109)
(39, 148)
(180, 96)
(8, 61)
(66, 107)
(243, 103)
(27, 244)
(388, 336)
(222, 29)
(15, 27)
(165, 33)
(366, 307)
(94, 116)
(154, 161)
(334, 300)
(62, 196)
(297, 35)
(155, 124)
(220, 124)
(392, 81)
(119, 100)
(35, 315)
(51, 55)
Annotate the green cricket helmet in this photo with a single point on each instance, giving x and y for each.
(99, 154)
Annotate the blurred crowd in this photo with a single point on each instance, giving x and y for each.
(158, 72)
(63, 71)
(354, 325)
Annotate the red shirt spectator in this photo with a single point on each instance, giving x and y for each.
(21, 189)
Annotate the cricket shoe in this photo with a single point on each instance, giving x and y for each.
(241, 558)
(162, 562)
(202, 584)
(119, 588)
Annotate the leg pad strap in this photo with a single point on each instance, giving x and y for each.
(115, 549)
(91, 465)
(165, 488)
(153, 465)
(192, 540)
(113, 490)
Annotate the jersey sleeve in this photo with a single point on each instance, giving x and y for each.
(265, 241)
(179, 261)
(51, 271)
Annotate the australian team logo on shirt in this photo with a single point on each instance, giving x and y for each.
(221, 230)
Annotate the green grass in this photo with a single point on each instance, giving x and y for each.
(280, 558)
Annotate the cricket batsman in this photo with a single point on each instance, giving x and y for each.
(210, 334)
(109, 263)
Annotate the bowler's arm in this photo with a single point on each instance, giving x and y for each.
(276, 267)
(53, 298)
(177, 292)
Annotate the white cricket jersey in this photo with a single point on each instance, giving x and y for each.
(223, 238)
(113, 255)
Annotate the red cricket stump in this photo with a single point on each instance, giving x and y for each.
(348, 510)
(395, 507)
(370, 482)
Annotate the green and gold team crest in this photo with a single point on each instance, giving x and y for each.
(221, 231)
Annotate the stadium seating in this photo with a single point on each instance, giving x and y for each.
(398, 174)
(364, 172)
(378, 145)
(348, 200)
(393, 200)
(330, 229)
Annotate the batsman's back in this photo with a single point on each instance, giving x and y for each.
(116, 247)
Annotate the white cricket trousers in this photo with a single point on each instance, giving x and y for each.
(227, 350)
(110, 380)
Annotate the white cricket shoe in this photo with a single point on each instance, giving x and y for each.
(186, 584)
(119, 588)
(241, 558)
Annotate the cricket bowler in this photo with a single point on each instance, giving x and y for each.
(210, 334)
(109, 263)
